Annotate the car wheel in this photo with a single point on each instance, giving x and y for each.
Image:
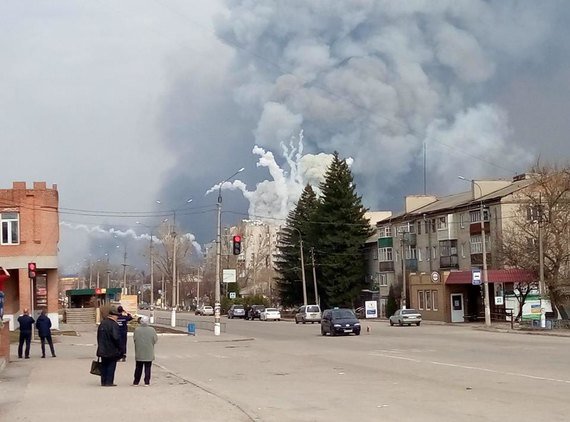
(418, 324)
(296, 321)
(333, 333)
(357, 333)
(400, 323)
(391, 323)
(323, 332)
(304, 322)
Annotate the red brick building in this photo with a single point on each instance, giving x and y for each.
(29, 232)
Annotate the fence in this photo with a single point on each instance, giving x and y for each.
(183, 320)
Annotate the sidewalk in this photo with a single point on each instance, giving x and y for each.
(62, 389)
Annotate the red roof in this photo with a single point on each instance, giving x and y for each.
(493, 276)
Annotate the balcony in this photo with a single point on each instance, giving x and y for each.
(384, 266)
(385, 242)
(449, 262)
(412, 265)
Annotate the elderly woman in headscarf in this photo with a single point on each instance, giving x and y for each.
(145, 338)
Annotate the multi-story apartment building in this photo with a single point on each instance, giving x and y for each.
(255, 264)
(429, 251)
(29, 233)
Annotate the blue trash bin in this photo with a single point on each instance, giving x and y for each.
(191, 329)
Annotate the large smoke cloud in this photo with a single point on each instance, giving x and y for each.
(376, 80)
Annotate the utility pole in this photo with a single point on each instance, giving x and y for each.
(317, 301)
(125, 269)
(403, 253)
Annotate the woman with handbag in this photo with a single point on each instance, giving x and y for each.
(109, 347)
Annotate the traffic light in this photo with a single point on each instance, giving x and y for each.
(237, 244)
(31, 269)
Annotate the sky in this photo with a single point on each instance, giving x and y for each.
(123, 104)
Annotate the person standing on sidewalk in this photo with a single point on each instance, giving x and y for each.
(43, 324)
(145, 338)
(123, 321)
(26, 322)
(109, 348)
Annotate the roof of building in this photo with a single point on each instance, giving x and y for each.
(494, 276)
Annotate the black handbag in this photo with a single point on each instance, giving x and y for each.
(96, 367)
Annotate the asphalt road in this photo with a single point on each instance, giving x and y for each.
(289, 372)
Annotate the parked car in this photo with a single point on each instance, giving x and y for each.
(205, 310)
(255, 312)
(270, 314)
(406, 316)
(339, 321)
(236, 311)
(308, 313)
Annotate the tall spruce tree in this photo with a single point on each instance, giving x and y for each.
(342, 231)
(288, 266)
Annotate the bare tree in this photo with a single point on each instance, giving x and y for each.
(543, 214)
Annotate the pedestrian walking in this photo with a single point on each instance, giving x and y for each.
(26, 322)
(145, 338)
(123, 321)
(43, 324)
(109, 347)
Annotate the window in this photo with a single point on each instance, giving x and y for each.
(435, 305)
(10, 228)
(385, 231)
(420, 299)
(441, 223)
(434, 252)
(426, 226)
(375, 253)
(427, 253)
(428, 300)
(419, 254)
(477, 243)
(411, 253)
(382, 279)
(419, 227)
(475, 216)
(385, 254)
(433, 225)
(462, 220)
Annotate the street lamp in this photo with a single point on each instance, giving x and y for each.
(484, 250)
(219, 254)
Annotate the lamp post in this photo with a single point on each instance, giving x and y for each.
(484, 250)
(219, 254)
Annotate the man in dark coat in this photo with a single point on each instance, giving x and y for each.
(43, 324)
(109, 348)
(123, 320)
(26, 322)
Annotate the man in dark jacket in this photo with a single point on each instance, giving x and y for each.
(26, 322)
(109, 348)
(43, 324)
(123, 320)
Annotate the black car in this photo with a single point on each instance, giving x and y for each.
(255, 312)
(339, 321)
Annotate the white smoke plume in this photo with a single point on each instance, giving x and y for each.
(376, 80)
(273, 199)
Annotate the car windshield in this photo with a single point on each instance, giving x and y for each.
(271, 310)
(409, 311)
(343, 313)
(312, 309)
(238, 306)
(207, 307)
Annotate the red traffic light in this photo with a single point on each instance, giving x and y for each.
(31, 270)
(237, 244)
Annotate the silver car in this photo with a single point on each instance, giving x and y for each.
(308, 313)
(406, 316)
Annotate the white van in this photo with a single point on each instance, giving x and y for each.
(308, 313)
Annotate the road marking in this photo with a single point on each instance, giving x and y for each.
(473, 368)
